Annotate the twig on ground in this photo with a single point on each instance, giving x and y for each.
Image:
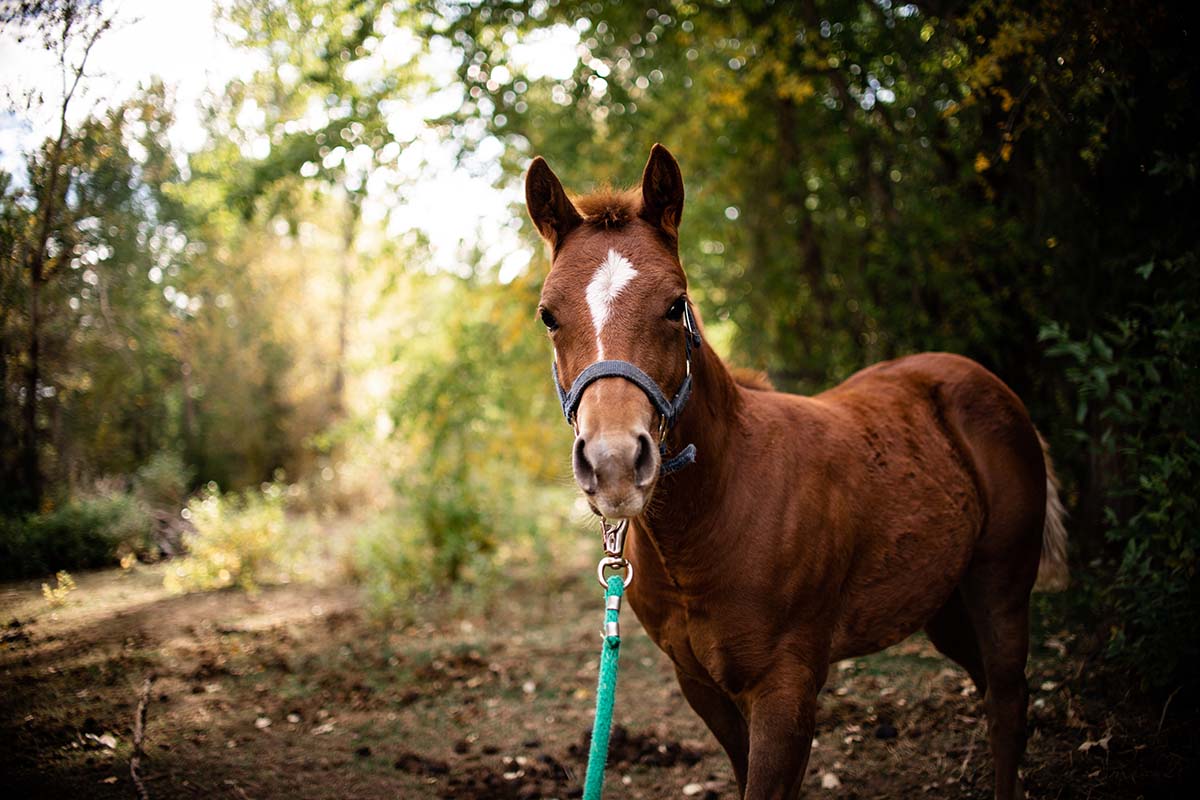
(970, 750)
(1167, 705)
(139, 736)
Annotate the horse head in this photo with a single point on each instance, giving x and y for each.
(616, 310)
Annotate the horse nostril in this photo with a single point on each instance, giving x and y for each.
(644, 468)
(585, 473)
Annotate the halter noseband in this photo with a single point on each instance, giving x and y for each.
(668, 410)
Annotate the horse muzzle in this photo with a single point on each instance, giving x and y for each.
(616, 470)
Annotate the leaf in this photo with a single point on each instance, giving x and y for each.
(1102, 743)
(104, 740)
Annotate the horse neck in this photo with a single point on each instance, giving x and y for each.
(684, 512)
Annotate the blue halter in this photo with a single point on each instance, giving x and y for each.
(669, 411)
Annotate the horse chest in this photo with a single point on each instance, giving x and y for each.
(705, 648)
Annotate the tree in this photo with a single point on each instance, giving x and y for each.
(69, 29)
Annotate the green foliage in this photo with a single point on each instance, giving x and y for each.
(392, 561)
(396, 556)
(163, 481)
(238, 540)
(472, 407)
(1137, 393)
(82, 534)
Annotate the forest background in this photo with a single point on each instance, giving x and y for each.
(318, 314)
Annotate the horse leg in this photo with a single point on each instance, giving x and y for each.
(723, 718)
(782, 723)
(1001, 619)
(952, 633)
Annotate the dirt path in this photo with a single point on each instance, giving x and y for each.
(295, 694)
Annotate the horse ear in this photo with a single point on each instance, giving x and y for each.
(552, 213)
(662, 191)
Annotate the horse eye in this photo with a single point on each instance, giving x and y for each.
(548, 320)
(675, 312)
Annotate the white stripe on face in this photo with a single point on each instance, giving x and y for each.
(613, 275)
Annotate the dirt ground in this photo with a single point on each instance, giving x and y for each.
(295, 693)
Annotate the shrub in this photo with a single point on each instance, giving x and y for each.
(391, 561)
(58, 594)
(81, 534)
(1137, 391)
(162, 482)
(238, 540)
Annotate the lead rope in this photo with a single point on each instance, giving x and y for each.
(606, 689)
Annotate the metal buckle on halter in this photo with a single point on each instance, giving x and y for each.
(613, 537)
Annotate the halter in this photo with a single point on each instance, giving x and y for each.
(669, 411)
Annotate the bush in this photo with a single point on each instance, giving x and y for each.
(162, 484)
(82, 534)
(1138, 397)
(413, 548)
(238, 540)
(163, 481)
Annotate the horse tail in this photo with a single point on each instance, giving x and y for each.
(1053, 573)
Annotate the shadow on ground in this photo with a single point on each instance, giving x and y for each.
(294, 693)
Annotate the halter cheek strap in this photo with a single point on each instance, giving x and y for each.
(669, 411)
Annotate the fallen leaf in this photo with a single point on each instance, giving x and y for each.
(104, 740)
(830, 781)
(693, 789)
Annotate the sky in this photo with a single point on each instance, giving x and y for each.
(179, 42)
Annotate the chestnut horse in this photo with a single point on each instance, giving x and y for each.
(917, 494)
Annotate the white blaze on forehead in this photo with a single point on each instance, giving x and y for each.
(613, 275)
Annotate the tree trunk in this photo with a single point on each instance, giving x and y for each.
(30, 461)
(346, 267)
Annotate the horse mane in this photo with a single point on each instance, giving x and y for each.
(752, 379)
(609, 207)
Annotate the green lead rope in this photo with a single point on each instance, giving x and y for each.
(606, 692)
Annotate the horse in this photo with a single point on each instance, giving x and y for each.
(790, 532)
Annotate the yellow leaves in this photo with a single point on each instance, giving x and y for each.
(1006, 98)
(1006, 151)
(982, 163)
(795, 89)
(57, 595)
(731, 100)
(238, 540)
(788, 85)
